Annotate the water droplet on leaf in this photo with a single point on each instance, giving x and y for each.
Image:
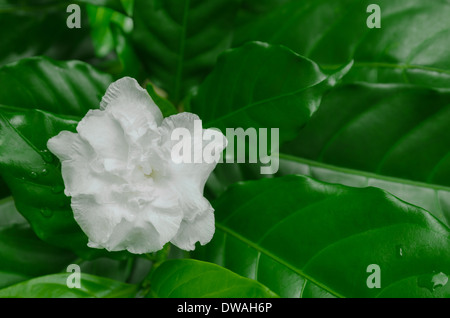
(44, 172)
(47, 156)
(33, 175)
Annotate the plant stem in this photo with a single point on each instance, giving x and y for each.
(157, 259)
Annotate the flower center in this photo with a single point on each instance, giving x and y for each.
(146, 170)
(148, 175)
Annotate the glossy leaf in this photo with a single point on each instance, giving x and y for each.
(39, 28)
(69, 88)
(55, 286)
(392, 136)
(301, 237)
(34, 176)
(103, 37)
(188, 278)
(22, 254)
(179, 41)
(130, 270)
(30, 171)
(411, 46)
(262, 86)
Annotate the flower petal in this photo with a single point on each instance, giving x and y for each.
(201, 229)
(189, 178)
(116, 226)
(104, 134)
(96, 220)
(78, 165)
(132, 106)
(62, 145)
(200, 166)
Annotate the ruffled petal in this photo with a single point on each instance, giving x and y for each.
(195, 168)
(201, 229)
(78, 165)
(132, 106)
(189, 178)
(105, 136)
(116, 226)
(63, 145)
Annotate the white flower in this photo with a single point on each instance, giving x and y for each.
(127, 193)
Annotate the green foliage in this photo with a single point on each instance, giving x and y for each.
(298, 236)
(363, 118)
(31, 28)
(66, 88)
(410, 46)
(179, 41)
(187, 278)
(23, 255)
(54, 91)
(273, 88)
(380, 137)
(54, 286)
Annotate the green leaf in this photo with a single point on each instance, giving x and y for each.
(395, 137)
(117, 5)
(179, 41)
(103, 37)
(128, 6)
(252, 9)
(30, 171)
(130, 65)
(166, 107)
(120, 270)
(55, 286)
(262, 86)
(301, 237)
(69, 88)
(187, 278)
(22, 254)
(30, 28)
(33, 174)
(411, 45)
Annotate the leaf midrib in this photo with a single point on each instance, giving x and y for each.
(401, 66)
(26, 140)
(362, 173)
(262, 250)
(264, 101)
